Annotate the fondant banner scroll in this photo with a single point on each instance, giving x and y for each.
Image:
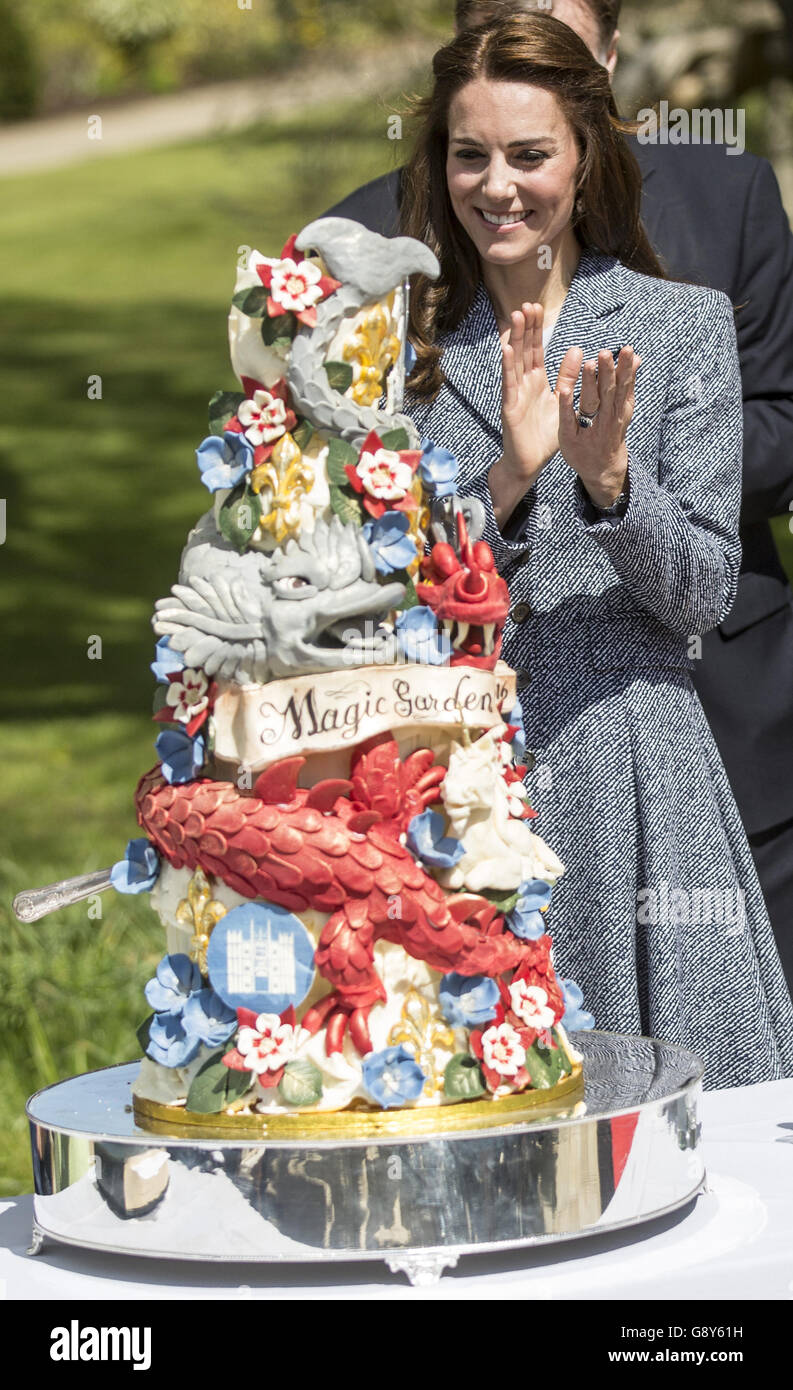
(338, 709)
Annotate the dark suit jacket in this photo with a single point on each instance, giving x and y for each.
(718, 220)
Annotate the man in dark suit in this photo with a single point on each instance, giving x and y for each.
(718, 220)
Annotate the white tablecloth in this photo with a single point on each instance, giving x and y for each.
(734, 1241)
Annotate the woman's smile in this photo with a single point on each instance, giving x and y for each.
(499, 220)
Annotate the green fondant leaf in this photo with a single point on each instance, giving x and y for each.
(411, 597)
(462, 1079)
(239, 516)
(237, 1083)
(395, 439)
(209, 1090)
(545, 1065)
(339, 375)
(160, 698)
(339, 455)
(505, 902)
(567, 1061)
(252, 301)
(222, 408)
(301, 1083)
(345, 506)
(278, 331)
(303, 434)
(142, 1033)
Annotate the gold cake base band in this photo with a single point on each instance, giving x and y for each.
(363, 1124)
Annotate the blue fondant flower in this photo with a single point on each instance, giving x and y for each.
(206, 1017)
(391, 546)
(137, 871)
(425, 839)
(176, 978)
(515, 717)
(420, 638)
(468, 1000)
(574, 1016)
(526, 919)
(181, 756)
(224, 460)
(410, 358)
(168, 1042)
(393, 1076)
(165, 661)
(438, 468)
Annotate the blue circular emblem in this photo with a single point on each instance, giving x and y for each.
(261, 957)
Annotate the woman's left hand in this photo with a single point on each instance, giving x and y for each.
(598, 452)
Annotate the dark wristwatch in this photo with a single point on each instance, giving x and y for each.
(615, 511)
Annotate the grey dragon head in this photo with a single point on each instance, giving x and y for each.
(313, 605)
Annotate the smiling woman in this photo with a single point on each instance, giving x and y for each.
(612, 511)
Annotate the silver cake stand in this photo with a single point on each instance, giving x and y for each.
(628, 1154)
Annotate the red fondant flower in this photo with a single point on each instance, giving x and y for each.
(189, 701)
(539, 975)
(501, 1047)
(264, 418)
(265, 1043)
(383, 477)
(296, 285)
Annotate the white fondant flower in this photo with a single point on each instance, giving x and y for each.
(296, 287)
(384, 474)
(530, 1003)
(503, 1052)
(188, 694)
(270, 1045)
(264, 417)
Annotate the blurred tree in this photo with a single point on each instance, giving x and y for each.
(308, 22)
(18, 68)
(303, 22)
(786, 6)
(134, 27)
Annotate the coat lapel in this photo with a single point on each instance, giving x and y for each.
(472, 351)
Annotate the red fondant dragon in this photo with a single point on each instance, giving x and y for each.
(336, 848)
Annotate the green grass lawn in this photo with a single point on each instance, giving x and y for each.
(124, 269)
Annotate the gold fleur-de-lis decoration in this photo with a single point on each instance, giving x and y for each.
(422, 1028)
(372, 349)
(200, 911)
(418, 528)
(283, 482)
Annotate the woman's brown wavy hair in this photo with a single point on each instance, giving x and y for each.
(537, 50)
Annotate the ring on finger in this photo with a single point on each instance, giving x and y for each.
(586, 418)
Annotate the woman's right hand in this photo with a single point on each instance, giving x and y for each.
(529, 407)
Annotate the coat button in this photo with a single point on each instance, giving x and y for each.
(520, 612)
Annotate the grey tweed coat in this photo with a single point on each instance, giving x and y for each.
(659, 917)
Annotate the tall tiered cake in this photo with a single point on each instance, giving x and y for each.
(337, 837)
